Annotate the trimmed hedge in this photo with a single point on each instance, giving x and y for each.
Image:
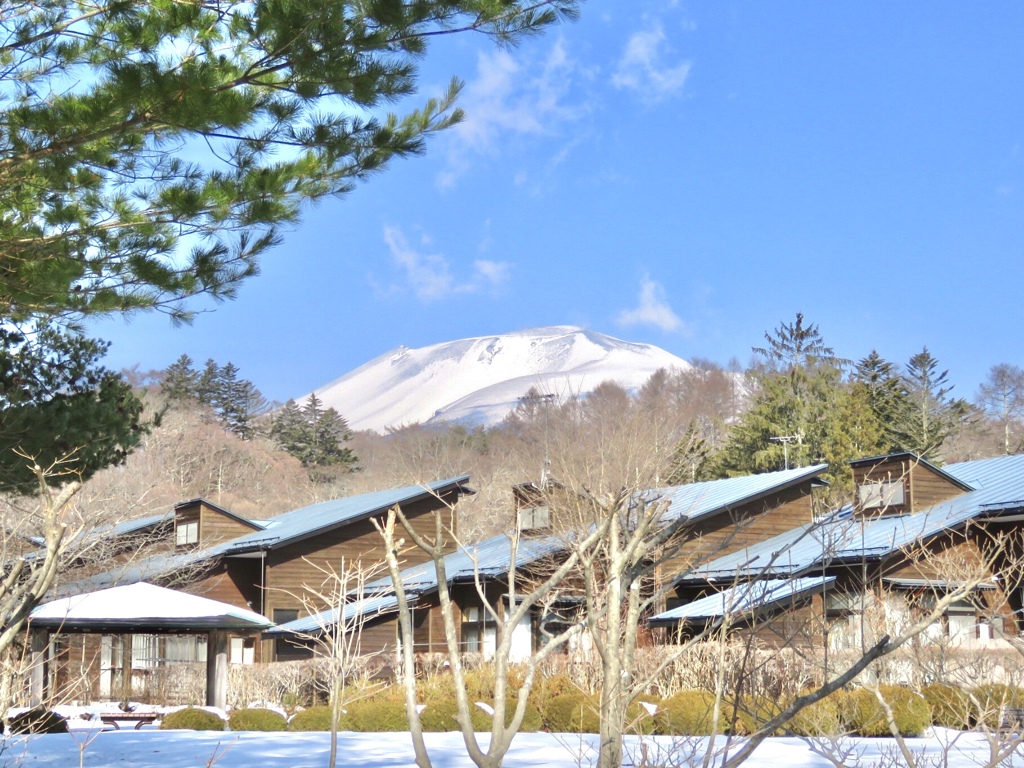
(910, 711)
(256, 719)
(312, 719)
(438, 714)
(571, 713)
(951, 707)
(378, 713)
(747, 714)
(822, 718)
(192, 719)
(38, 720)
(532, 720)
(989, 701)
(688, 713)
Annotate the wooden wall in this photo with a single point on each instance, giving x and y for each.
(732, 530)
(923, 486)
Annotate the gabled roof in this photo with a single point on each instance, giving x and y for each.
(998, 487)
(303, 523)
(282, 530)
(914, 459)
(697, 500)
(742, 599)
(255, 524)
(490, 558)
(143, 608)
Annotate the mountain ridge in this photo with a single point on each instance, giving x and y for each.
(478, 380)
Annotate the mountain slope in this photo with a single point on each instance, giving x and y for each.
(479, 380)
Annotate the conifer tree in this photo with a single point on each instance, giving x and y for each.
(180, 380)
(281, 100)
(315, 436)
(801, 400)
(878, 381)
(930, 414)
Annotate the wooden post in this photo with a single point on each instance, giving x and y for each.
(40, 643)
(217, 669)
(126, 669)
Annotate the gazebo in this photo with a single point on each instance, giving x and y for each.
(144, 609)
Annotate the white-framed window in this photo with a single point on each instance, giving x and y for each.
(881, 495)
(243, 650)
(535, 518)
(479, 633)
(186, 533)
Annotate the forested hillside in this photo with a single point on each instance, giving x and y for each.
(798, 402)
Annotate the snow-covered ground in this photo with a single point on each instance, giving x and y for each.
(151, 748)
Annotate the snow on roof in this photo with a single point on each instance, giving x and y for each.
(743, 598)
(143, 606)
(998, 486)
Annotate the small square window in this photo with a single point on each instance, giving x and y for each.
(881, 495)
(186, 533)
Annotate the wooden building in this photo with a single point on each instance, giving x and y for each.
(916, 534)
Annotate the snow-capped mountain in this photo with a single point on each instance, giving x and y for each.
(478, 381)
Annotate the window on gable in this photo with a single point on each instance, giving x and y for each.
(535, 518)
(186, 533)
(881, 495)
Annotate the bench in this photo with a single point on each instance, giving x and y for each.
(117, 718)
(1011, 719)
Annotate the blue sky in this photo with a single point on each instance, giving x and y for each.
(684, 174)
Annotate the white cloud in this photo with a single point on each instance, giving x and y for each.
(642, 67)
(512, 97)
(429, 275)
(653, 310)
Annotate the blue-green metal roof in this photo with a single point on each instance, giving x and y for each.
(998, 486)
(490, 558)
(742, 599)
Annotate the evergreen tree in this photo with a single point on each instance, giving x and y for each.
(180, 380)
(289, 429)
(127, 220)
(796, 417)
(57, 404)
(315, 436)
(208, 384)
(930, 414)
(878, 382)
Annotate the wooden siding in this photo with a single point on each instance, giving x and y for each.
(928, 488)
(293, 570)
(732, 530)
(215, 527)
(922, 485)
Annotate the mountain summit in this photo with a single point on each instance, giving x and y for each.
(478, 381)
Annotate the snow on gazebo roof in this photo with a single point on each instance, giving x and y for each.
(146, 608)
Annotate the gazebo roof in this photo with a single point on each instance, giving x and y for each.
(144, 608)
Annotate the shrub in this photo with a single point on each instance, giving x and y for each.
(571, 713)
(688, 713)
(910, 711)
(747, 714)
(950, 706)
(439, 714)
(38, 720)
(312, 719)
(822, 718)
(319, 719)
(192, 719)
(378, 713)
(639, 720)
(256, 720)
(532, 720)
(989, 701)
